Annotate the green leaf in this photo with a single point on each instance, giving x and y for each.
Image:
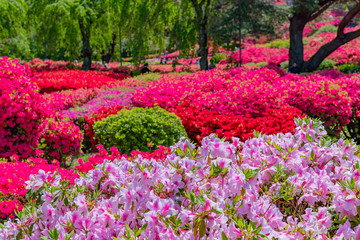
(143, 228)
(202, 229)
(312, 155)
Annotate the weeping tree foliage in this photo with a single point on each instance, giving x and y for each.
(183, 33)
(236, 18)
(62, 23)
(150, 20)
(13, 34)
(54, 29)
(121, 16)
(95, 25)
(300, 12)
(202, 10)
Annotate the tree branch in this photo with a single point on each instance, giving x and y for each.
(345, 21)
(329, 48)
(324, 5)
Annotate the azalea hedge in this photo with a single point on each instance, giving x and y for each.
(283, 186)
(252, 92)
(75, 79)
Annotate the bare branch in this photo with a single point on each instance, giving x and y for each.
(346, 20)
(324, 5)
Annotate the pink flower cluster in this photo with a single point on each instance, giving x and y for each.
(256, 54)
(159, 154)
(280, 186)
(12, 182)
(37, 65)
(250, 92)
(71, 98)
(60, 139)
(22, 110)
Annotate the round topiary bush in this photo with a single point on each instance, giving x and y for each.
(22, 110)
(139, 129)
(284, 65)
(326, 29)
(326, 64)
(61, 138)
(218, 57)
(349, 68)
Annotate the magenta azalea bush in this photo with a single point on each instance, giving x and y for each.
(22, 110)
(12, 182)
(60, 139)
(280, 186)
(251, 92)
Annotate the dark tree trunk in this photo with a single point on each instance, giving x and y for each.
(110, 53)
(202, 12)
(87, 51)
(296, 52)
(45, 48)
(120, 38)
(240, 40)
(297, 24)
(203, 44)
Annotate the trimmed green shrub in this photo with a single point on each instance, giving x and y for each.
(218, 57)
(326, 64)
(279, 43)
(349, 68)
(327, 28)
(284, 65)
(283, 43)
(134, 129)
(261, 64)
(250, 64)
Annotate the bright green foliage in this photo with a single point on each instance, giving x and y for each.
(13, 39)
(218, 57)
(279, 43)
(327, 28)
(326, 64)
(261, 64)
(349, 68)
(64, 25)
(237, 18)
(183, 32)
(139, 129)
(150, 19)
(284, 65)
(283, 43)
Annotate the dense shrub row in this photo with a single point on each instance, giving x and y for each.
(200, 123)
(75, 79)
(139, 129)
(22, 110)
(280, 186)
(14, 176)
(251, 92)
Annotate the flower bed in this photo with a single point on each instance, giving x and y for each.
(13, 179)
(200, 123)
(107, 98)
(37, 65)
(257, 54)
(251, 92)
(71, 98)
(22, 110)
(280, 186)
(75, 79)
